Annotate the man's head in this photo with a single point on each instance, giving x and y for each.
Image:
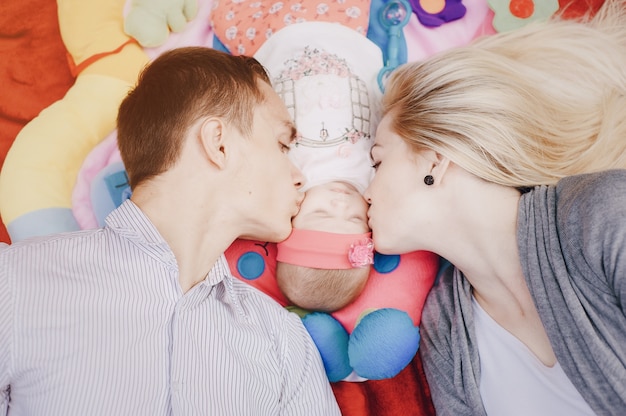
(174, 91)
(210, 125)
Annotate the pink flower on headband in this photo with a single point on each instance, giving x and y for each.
(361, 253)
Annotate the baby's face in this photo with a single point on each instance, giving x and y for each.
(335, 207)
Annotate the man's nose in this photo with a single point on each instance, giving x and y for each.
(297, 176)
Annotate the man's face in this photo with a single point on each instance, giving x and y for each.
(269, 177)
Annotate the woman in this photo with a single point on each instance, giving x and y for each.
(475, 156)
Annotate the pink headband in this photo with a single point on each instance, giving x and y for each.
(322, 250)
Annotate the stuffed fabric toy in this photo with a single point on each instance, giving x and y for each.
(374, 337)
(150, 21)
(509, 15)
(41, 166)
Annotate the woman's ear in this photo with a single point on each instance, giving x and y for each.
(437, 164)
(212, 141)
(441, 165)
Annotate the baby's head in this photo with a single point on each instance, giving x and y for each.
(325, 290)
(325, 262)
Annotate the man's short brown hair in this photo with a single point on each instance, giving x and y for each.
(173, 92)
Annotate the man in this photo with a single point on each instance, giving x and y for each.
(143, 317)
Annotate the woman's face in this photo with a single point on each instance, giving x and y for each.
(397, 194)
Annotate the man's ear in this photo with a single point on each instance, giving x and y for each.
(212, 140)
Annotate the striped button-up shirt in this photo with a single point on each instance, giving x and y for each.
(95, 323)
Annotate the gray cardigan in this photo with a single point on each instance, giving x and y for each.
(572, 245)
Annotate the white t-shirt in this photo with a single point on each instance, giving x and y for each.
(513, 381)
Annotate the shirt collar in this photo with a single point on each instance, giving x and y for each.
(218, 272)
(221, 273)
(129, 221)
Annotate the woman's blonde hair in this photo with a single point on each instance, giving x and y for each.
(525, 107)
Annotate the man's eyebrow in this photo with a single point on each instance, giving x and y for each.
(293, 132)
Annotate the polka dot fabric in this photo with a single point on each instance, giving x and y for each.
(243, 26)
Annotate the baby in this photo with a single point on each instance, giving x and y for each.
(325, 262)
(332, 94)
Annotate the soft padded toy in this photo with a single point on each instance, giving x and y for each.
(513, 14)
(150, 21)
(437, 12)
(374, 337)
(41, 167)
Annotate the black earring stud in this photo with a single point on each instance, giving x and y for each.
(429, 180)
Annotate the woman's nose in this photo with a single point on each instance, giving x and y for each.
(367, 197)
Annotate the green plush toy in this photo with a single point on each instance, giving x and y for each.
(150, 21)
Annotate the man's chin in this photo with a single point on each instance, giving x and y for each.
(275, 236)
(282, 236)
